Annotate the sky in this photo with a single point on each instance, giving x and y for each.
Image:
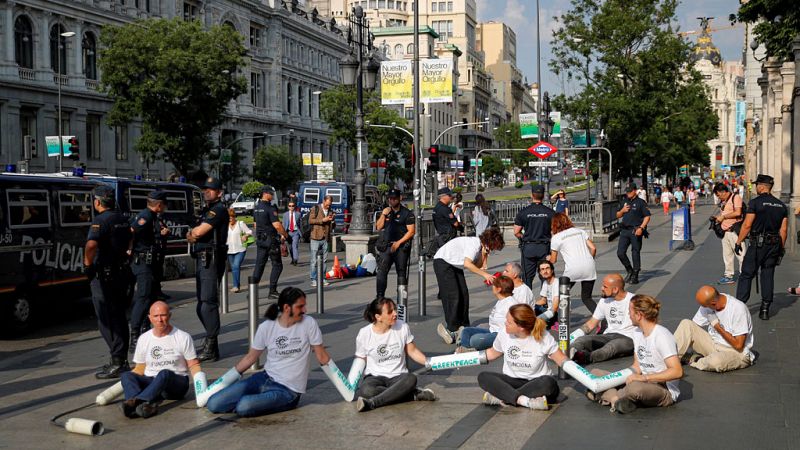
(521, 16)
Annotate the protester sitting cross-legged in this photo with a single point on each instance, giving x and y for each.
(478, 338)
(288, 336)
(546, 306)
(384, 344)
(525, 346)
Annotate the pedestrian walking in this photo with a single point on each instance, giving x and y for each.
(291, 223)
(666, 199)
(730, 221)
(238, 232)
(532, 228)
(321, 218)
(680, 197)
(396, 222)
(458, 211)
(692, 197)
(483, 216)
(269, 236)
(633, 227)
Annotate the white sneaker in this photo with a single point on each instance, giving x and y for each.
(491, 400)
(424, 395)
(445, 334)
(325, 283)
(313, 283)
(538, 404)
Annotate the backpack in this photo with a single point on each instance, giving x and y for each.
(305, 224)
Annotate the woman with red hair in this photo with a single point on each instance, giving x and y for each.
(578, 252)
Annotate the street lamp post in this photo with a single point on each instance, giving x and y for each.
(313, 166)
(66, 34)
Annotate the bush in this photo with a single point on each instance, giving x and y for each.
(519, 184)
(383, 188)
(577, 179)
(481, 188)
(458, 189)
(252, 189)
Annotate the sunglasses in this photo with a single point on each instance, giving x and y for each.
(291, 206)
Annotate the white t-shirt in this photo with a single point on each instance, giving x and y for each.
(550, 292)
(666, 197)
(642, 194)
(287, 350)
(385, 353)
(617, 314)
(525, 358)
(735, 319)
(168, 352)
(480, 220)
(578, 262)
(651, 351)
(235, 233)
(523, 294)
(497, 318)
(455, 250)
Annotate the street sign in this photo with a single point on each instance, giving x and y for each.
(506, 161)
(542, 149)
(472, 162)
(53, 147)
(542, 163)
(226, 156)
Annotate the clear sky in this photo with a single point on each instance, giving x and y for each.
(521, 16)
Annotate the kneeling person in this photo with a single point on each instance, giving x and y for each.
(721, 333)
(164, 357)
(384, 344)
(616, 340)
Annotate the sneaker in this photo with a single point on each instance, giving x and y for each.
(424, 395)
(458, 333)
(128, 408)
(538, 404)
(581, 358)
(462, 349)
(491, 400)
(326, 283)
(313, 283)
(447, 336)
(146, 410)
(624, 406)
(726, 280)
(689, 358)
(363, 404)
(593, 397)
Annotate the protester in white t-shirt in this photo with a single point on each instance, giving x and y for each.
(384, 344)
(478, 338)
(656, 366)
(522, 292)
(164, 358)
(546, 306)
(616, 341)
(720, 334)
(525, 346)
(578, 252)
(288, 337)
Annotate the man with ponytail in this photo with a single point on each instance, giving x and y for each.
(526, 380)
(288, 336)
(384, 344)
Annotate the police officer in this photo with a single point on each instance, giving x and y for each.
(397, 223)
(269, 235)
(535, 219)
(146, 257)
(210, 239)
(766, 225)
(444, 221)
(105, 260)
(635, 216)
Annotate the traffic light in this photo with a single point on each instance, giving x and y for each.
(433, 159)
(465, 161)
(73, 148)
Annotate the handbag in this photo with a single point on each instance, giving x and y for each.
(284, 249)
(382, 243)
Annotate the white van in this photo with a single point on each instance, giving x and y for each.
(243, 205)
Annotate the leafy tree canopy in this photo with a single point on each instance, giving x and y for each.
(277, 166)
(778, 24)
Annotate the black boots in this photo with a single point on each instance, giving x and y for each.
(634, 278)
(132, 345)
(273, 293)
(627, 278)
(210, 350)
(112, 370)
(763, 313)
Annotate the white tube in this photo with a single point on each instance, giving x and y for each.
(356, 370)
(547, 315)
(221, 383)
(456, 361)
(576, 334)
(84, 426)
(200, 383)
(611, 380)
(338, 379)
(110, 394)
(594, 383)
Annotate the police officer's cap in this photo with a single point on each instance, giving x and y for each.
(394, 193)
(104, 192)
(445, 191)
(764, 179)
(631, 187)
(267, 189)
(212, 183)
(537, 189)
(160, 196)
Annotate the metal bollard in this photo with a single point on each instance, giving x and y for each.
(224, 305)
(253, 314)
(563, 320)
(402, 303)
(320, 283)
(423, 301)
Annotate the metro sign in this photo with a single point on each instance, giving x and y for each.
(542, 149)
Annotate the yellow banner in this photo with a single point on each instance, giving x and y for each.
(397, 82)
(436, 76)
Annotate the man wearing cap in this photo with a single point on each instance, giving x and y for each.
(444, 221)
(532, 228)
(766, 226)
(397, 223)
(210, 239)
(105, 261)
(269, 235)
(147, 250)
(635, 216)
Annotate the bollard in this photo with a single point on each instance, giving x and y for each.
(563, 320)
(402, 302)
(423, 301)
(253, 314)
(224, 305)
(320, 283)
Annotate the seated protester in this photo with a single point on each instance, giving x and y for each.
(656, 367)
(522, 292)
(164, 357)
(385, 344)
(616, 340)
(546, 306)
(526, 379)
(477, 338)
(288, 336)
(721, 333)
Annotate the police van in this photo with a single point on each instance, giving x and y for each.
(44, 221)
(343, 196)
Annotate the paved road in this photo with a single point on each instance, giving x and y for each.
(50, 372)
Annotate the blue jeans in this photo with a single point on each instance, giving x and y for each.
(166, 385)
(323, 244)
(235, 260)
(477, 338)
(256, 395)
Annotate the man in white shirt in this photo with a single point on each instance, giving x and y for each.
(546, 306)
(617, 339)
(721, 333)
(164, 358)
(522, 292)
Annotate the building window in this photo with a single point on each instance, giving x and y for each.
(190, 11)
(398, 50)
(449, 6)
(410, 49)
(23, 42)
(289, 98)
(89, 46)
(147, 5)
(58, 49)
(381, 4)
(93, 136)
(434, 7)
(255, 89)
(121, 142)
(301, 107)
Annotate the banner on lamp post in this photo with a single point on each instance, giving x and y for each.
(397, 82)
(528, 126)
(436, 80)
(741, 113)
(555, 118)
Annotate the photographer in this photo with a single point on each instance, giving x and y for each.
(728, 222)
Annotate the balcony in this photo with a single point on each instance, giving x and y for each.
(92, 84)
(27, 74)
(60, 79)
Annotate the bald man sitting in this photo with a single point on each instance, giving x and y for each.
(617, 339)
(164, 358)
(721, 333)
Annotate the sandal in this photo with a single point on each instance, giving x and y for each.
(793, 291)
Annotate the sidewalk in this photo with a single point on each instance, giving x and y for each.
(52, 372)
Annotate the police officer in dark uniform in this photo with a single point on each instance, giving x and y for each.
(269, 235)
(444, 221)
(397, 221)
(146, 258)
(766, 226)
(210, 239)
(535, 219)
(105, 261)
(633, 227)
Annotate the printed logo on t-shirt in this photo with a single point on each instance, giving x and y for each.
(155, 352)
(382, 350)
(644, 356)
(612, 313)
(513, 352)
(288, 346)
(389, 352)
(281, 341)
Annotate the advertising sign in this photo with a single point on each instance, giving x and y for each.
(397, 82)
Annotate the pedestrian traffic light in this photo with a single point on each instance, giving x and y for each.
(433, 158)
(73, 148)
(465, 161)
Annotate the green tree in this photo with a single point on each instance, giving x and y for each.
(176, 77)
(252, 189)
(277, 166)
(508, 135)
(778, 24)
(492, 165)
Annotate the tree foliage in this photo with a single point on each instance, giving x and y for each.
(778, 24)
(277, 166)
(176, 77)
(638, 83)
(508, 135)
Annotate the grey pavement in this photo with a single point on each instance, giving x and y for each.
(51, 371)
